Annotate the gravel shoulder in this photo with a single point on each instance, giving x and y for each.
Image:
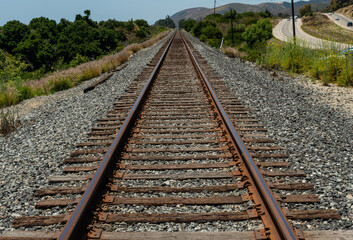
(312, 122)
(51, 126)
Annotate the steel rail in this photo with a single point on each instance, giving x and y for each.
(280, 229)
(80, 218)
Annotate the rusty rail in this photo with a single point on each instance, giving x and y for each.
(273, 218)
(79, 220)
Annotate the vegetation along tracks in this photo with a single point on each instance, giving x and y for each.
(173, 151)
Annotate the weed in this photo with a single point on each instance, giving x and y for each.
(61, 84)
(8, 121)
(25, 92)
(8, 97)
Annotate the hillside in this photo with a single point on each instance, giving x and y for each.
(347, 11)
(275, 8)
(320, 26)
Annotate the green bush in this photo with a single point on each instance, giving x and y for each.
(257, 33)
(214, 42)
(187, 24)
(211, 32)
(78, 60)
(217, 17)
(237, 33)
(197, 28)
(130, 25)
(142, 23)
(140, 33)
(119, 48)
(203, 38)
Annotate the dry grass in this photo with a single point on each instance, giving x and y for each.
(346, 11)
(322, 27)
(233, 52)
(65, 79)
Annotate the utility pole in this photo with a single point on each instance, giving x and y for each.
(214, 8)
(293, 20)
(231, 24)
(232, 16)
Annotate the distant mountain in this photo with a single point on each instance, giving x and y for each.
(275, 8)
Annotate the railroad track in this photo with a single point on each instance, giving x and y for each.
(179, 150)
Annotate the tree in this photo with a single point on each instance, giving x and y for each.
(62, 24)
(12, 34)
(111, 24)
(130, 25)
(140, 33)
(266, 14)
(45, 27)
(88, 13)
(108, 39)
(305, 10)
(188, 24)
(142, 23)
(10, 67)
(199, 26)
(36, 51)
(212, 32)
(336, 4)
(257, 33)
(167, 22)
(79, 37)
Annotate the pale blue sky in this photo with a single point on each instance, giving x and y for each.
(151, 10)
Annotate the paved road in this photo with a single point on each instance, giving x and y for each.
(342, 22)
(284, 32)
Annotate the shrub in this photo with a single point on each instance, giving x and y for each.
(346, 76)
(258, 32)
(188, 24)
(214, 42)
(203, 38)
(140, 33)
(119, 48)
(130, 25)
(197, 29)
(79, 59)
(142, 23)
(217, 17)
(211, 32)
(237, 33)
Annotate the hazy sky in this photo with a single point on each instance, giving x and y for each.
(151, 10)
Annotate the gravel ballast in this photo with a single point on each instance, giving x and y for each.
(51, 126)
(312, 122)
(299, 116)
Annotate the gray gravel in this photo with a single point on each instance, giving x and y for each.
(52, 125)
(301, 117)
(318, 136)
